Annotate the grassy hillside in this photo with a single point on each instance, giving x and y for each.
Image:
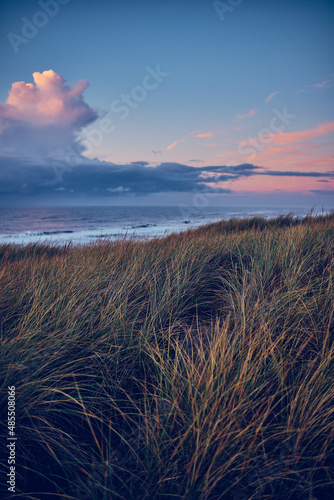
(197, 366)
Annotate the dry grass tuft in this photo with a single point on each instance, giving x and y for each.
(197, 366)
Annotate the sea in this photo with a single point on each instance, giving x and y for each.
(82, 225)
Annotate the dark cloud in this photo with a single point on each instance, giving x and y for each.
(297, 174)
(107, 179)
(323, 191)
(141, 163)
(79, 176)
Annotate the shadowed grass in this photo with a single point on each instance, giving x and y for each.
(196, 366)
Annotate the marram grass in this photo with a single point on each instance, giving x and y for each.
(196, 366)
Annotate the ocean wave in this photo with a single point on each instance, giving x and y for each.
(29, 234)
(49, 233)
(143, 226)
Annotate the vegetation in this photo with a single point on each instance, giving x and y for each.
(196, 366)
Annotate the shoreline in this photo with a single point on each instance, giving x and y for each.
(145, 230)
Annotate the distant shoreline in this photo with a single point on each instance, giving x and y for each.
(82, 225)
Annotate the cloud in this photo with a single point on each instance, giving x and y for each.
(325, 84)
(271, 96)
(40, 121)
(43, 116)
(192, 135)
(209, 134)
(322, 85)
(119, 189)
(284, 173)
(323, 191)
(246, 115)
(284, 138)
(93, 178)
(171, 146)
(302, 149)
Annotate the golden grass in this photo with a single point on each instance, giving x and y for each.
(197, 366)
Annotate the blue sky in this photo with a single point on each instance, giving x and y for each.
(219, 69)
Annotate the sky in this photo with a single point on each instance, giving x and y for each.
(154, 102)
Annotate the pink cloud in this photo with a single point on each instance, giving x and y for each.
(324, 161)
(43, 114)
(209, 134)
(291, 150)
(246, 115)
(190, 134)
(171, 146)
(268, 184)
(271, 96)
(283, 138)
(47, 102)
(296, 156)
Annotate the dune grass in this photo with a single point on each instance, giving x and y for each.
(196, 366)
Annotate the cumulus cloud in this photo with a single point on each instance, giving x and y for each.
(43, 116)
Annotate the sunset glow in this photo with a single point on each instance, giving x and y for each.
(84, 120)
